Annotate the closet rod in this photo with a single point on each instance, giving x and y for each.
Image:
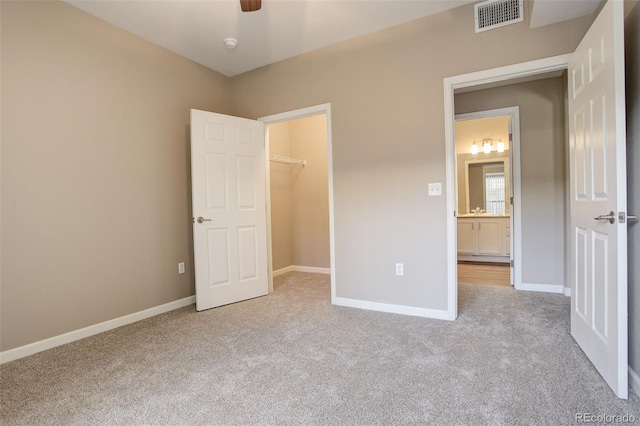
(287, 160)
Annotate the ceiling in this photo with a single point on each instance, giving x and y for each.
(280, 30)
(547, 12)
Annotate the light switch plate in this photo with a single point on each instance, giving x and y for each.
(435, 189)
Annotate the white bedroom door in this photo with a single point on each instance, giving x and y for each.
(598, 197)
(229, 209)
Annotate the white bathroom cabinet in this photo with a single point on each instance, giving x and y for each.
(484, 239)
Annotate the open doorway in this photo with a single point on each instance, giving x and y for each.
(473, 83)
(540, 181)
(299, 195)
(299, 192)
(487, 179)
(594, 110)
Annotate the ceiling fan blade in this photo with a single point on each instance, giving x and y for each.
(250, 5)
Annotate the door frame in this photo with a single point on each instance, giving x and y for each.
(515, 186)
(288, 116)
(494, 75)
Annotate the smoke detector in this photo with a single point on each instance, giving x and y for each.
(230, 43)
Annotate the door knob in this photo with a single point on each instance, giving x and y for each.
(611, 217)
(202, 219)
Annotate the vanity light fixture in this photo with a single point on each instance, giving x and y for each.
(474, 148)
(486, 146)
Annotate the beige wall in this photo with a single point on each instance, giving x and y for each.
(476, 186)
(299, 195)
(632, 49)
(386, 95)
(280, 193)
(95, 170)
(542, 170)
(310, 192)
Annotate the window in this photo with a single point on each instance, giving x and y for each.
(494, 192)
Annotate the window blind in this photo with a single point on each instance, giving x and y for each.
(494, 193)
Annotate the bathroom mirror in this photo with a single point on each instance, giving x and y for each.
(484, 183)
(486, 187)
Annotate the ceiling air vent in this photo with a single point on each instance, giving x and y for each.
(492, 14)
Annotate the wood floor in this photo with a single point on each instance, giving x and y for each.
(483, 273)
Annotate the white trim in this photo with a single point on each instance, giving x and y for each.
(544, 288)
(567, 291)
(509, 72)
(72, 336)
(312, 270)
(267, 196)
(621, 171)
(292, 115)
(283, 271)
(297, 113)
(391, 308)
(634, 380)
(296, 268)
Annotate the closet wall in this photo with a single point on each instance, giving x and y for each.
(299, 195)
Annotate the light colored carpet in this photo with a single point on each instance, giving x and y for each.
(292, 358)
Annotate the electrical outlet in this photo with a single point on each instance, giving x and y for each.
(181, 268)
(399, 269)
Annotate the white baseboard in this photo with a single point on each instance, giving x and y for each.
(391, 308)
(282, 271)
(545, 288)
(72, 336)
(295, 268)
(567, 291)
(634, 381)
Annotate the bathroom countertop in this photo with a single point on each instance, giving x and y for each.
(481, 215)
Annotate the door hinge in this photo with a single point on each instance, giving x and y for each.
(511, 200)
(511, 263)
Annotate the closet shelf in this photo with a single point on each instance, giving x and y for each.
(287, 160)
